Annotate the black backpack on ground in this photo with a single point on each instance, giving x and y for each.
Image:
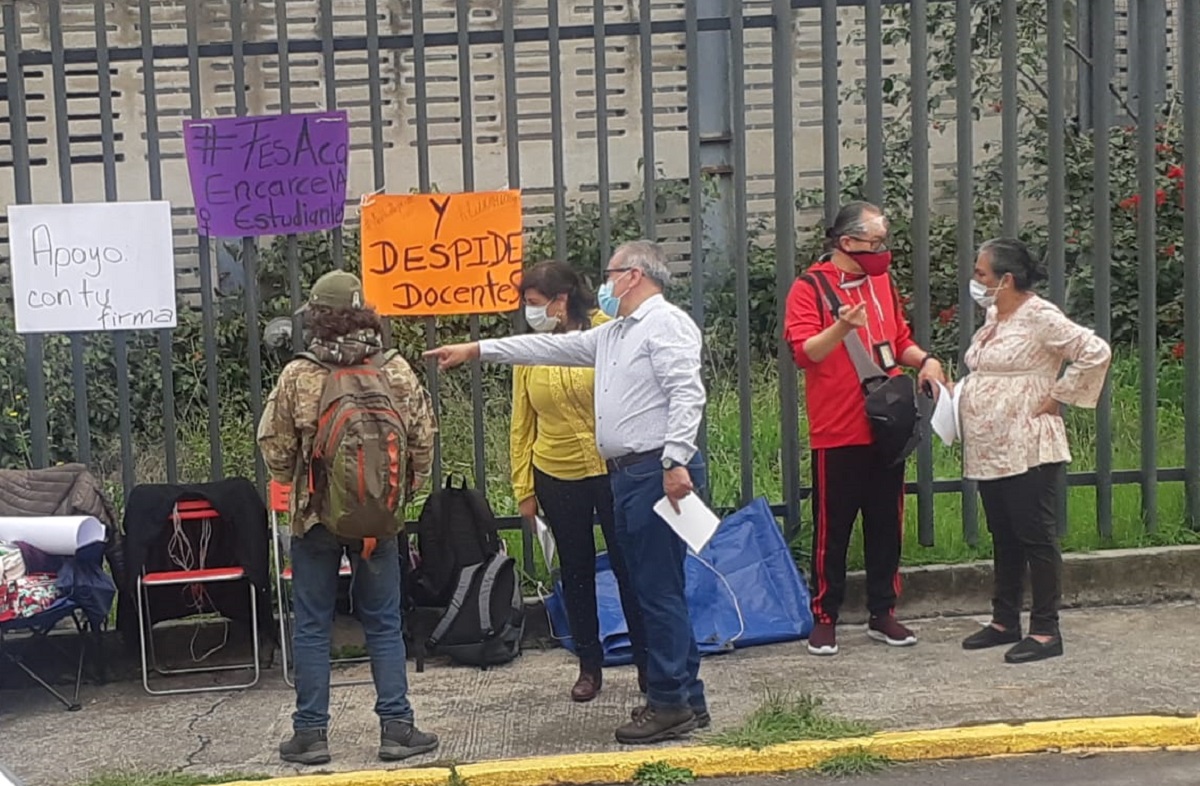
(456, 529)
(891, 402)
(485, 620)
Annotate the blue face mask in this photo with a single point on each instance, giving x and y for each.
(610, 304)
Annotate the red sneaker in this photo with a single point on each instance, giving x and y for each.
(887, 630)
(823, 639)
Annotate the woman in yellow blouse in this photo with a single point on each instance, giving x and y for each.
(557, 467)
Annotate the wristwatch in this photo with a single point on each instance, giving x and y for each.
(669, 464)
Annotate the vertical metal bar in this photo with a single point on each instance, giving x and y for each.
(830, 105)
(1189, 65)
(512, 131)
(216, 469)
(374, 93)
(1105, 26)
(1148, 271)
(109, 159)
(35, 373)
(1056, 165)
(873, 23)
(292, 247)
(467, 130)
(512, 137)
(154, 156)
(556, 134)
(1009, 133)
(329, 61)
(249, 247)
(649, 168)
(741, 247)
(375, 99)
(964, 101)
(62, 136)
(696, 223)
(600, 62)
(1056, 187)
(919, 74)
(423, 182)
(783, 58)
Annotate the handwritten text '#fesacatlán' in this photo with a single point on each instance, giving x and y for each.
(265, 199)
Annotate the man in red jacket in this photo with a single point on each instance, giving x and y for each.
(848, 475)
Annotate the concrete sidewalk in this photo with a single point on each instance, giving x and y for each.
(1129, 660)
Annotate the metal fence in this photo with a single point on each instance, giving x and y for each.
(744, 102)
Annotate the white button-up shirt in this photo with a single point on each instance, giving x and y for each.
(649, 394)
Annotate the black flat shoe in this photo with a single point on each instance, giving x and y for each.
(989, 636)
(1030, 650)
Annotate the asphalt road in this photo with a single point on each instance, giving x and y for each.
(1118, 769)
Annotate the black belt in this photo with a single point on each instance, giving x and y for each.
(629, 459)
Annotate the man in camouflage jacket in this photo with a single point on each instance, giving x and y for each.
(343, 331)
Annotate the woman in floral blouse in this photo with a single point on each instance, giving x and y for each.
(1015, 441)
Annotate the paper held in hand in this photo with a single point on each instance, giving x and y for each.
(546, 538)
(944, 420)
(694, 522)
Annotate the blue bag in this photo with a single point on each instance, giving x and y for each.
(743, 590)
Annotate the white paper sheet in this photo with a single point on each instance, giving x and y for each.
(61, 536)
(546, 538)
(694, 522)
(944, 419)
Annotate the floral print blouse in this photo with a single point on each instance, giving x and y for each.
(1014, 365)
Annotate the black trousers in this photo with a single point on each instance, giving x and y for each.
(571, 508)
(848, 481)
(1021, 517)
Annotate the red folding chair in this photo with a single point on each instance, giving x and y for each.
(280, 496)
(192, 513)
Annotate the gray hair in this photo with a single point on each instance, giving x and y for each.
(648, 257)
(851, 220)
(1009, 256)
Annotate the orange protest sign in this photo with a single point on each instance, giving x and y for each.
(442, 254)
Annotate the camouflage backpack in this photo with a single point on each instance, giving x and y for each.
(357, 469)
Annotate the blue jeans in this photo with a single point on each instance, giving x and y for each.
(654, 555)
(316, 558)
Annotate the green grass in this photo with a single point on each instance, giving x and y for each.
(169, 779)
(853, 763)
(659, 773)
(725, 461)
(787, 718)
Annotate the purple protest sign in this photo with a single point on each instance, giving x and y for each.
(270, 175)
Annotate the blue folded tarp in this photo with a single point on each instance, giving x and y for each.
(743, 590)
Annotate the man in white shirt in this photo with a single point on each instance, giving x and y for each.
(649, 405)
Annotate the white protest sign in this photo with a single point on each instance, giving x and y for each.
(92, 267)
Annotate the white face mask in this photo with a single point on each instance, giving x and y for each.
(539, 320)
(979, 293)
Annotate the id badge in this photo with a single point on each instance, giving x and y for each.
(884, 355)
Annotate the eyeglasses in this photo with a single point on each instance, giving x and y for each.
(611, 270)
(875, 243)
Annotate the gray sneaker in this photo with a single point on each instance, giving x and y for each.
(401, 740)
(307, 746)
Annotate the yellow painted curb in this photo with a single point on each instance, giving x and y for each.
(709, 761)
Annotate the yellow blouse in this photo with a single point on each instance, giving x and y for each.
(553, 424)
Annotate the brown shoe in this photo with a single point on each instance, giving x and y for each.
(657, 724)
(587, 686)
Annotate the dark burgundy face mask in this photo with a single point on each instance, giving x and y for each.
(873, 263)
